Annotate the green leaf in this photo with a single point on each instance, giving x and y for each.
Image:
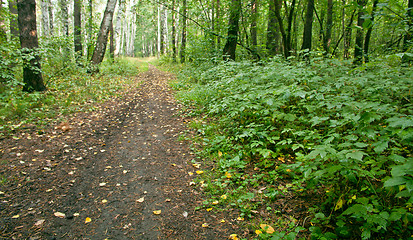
(379, 147)
(394, 181)
(356, 154)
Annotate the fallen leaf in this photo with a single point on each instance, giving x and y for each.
(240, 218)
(39, 222)
(190, 173)
(141, 199)
(205, 225)
(125, 171)
(233, 237)
(191, 183)
(258, 232)
(108, 167)
(15, 216)
(222, 220)
(102, 184)
(157, 212)
(219, 153)
(209, 209)
(196, 165)
(1, 193)
(267, 228)
(76, 214)
(104, 201)
(228, 175)
(59, 214)
(199, 172)
(224, 196)
(215, 202)
(167, 200)
(88, 220)
(185, 214)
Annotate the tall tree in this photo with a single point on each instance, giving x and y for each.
(273, 35)
(183, 40)
(369, 31)
(254, 17)
(407, 41)
(358, 48)
(32, 75)
(118, 34)
(286, 34)
(329, 27)
(308, 26)
(64, 15)
(90, 29)
(3, 35)
(77, 26)
(173, 34)
(233, 27)
(14, 29)
(50, 9)
(102, 39)
(44, 6)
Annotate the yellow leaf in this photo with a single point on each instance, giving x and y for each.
(258, 232)
(222, 220)
(88, 220)
(233, 237)
(220, 153)
(157, 212)
(215, 202)
(104, 201)
(288, 170)
(353, 197)
(240, 218)
(15, 216)
(190, 173)
(224, 196)
(196, 165)
(173, 164)
(209, 209)
(267, 228)
(228, 175)
(141, 199)
(205, 225)
(199, 172)
(339, 204)
(402, 187)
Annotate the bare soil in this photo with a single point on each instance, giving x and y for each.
(102, 174)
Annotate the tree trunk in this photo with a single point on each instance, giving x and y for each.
(3, 36)
(273, 35)
(159, 32)
(218, 20)
(286, 44)
(44, 4)
(289, 25)
(407, 41)
(32, 75)
(111, 43)
(308, 26)
(118, 34)
(77, 26)
(90, 30)
(14, 29)
(99, 52)
(183, 41)
(347, 33)
(65, 23)
(358, 48)
(369, 30)
(329, 27)
(173, 33)
(233, 27)
(254, 17)
(51, 23)
(165, 30)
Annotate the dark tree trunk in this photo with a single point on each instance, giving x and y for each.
(348, 31)
(369, 31)
(14, 29)
(308, 26)
(358, 48)
(183, 41)
(290, 24)
(32, 75)
(99, 52)
(329, 27)
(273, 35)
(286, 43)
(3, 36)
(90, 30)
(51, 24)
(407, 41)
(77, 6)
(232, 36)
(173, 33)
(254, 17)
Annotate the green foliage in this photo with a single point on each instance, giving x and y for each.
(345, 134)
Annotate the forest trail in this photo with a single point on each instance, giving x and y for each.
(115, 173)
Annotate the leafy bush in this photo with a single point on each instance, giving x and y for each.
(343, 133)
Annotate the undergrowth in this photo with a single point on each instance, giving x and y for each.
(332, 136)
(70, 89)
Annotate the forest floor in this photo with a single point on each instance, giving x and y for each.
(119, 172)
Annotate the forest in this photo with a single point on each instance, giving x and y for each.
(301, 110)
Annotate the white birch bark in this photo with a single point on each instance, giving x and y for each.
(45, 18)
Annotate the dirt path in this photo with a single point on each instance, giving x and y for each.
(101, 175)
